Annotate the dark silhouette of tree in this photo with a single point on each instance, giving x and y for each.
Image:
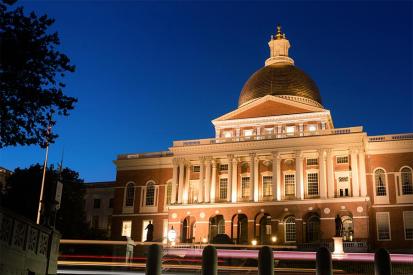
(31, 74)
(22, 197)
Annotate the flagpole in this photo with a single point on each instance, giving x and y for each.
(39, 210)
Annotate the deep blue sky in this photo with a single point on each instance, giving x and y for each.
(150, 73)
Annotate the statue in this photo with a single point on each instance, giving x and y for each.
(339, 226)
(149, 233)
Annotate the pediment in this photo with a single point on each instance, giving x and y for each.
(269, 106)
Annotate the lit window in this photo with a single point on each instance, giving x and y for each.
(290, 229)
(290, 129)
(312, 161)
(342, 159)
(343, 185)
(248, 133)
(130, 194)
(126, 228)
(196, 168)
(168, 193)
(245, 187)
(379, 178)
(289, 183)
(223, 167)
(269, 131)
(150, 195)
(407, 185)
(223, 188)
(312, 127)
(227, 134)
(312, 184)
(383, 226)
(266, 186)
(408, 224)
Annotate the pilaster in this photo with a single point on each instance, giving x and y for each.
(354, 173)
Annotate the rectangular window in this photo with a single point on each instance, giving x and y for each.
(150, 195)
(245, 187)
(223, 188)
(312, 127)
(168, 193)
(289, 183)
(342, 159)
(196, 168)
(312, 184)
(227, 134)
(248, 133)
(383, 226)
(95, 222)
(145, 229)
(408, 224)
(96, 203)
(312, 161)
(126, 228)
(111, 203)
(223, 167)
(266, 186)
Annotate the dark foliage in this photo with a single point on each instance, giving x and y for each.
(31, 74)
(23, 192)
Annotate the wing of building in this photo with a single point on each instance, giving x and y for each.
(277, 171)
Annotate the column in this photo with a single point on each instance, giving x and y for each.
(229, 184)
(207, 179)
(252, 177)
(234, 180)
(362, 173)
(276, 187)
(322, 174)
(186, 186)
(174, 180)
(299, 181)
(201, 181)
(354, 173)
(256, 176)
(301, 129)
(330, 174)
(181, 180)
(213, 181)
(217, 133)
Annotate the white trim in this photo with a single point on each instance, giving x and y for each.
(393, 205)
(140, 214)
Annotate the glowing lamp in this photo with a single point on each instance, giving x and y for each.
(254, 242)
(273, 239)
(204, 240)
(172, 235)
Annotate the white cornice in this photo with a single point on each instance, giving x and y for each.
(270, 203)
(389, 147)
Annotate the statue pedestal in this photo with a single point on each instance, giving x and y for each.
(338, 246)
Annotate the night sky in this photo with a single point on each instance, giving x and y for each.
(149, 73)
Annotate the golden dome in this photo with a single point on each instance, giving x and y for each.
(279, 80)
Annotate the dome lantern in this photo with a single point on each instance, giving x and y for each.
(279, 46)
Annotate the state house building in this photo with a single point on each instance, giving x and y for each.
(277, 171)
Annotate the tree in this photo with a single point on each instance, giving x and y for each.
(31, 78)
(23, 192)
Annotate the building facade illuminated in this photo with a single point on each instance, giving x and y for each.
(277, 171)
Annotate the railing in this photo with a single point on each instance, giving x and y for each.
(353, 246)
(146, 155)
(390, 137)
(208, 141)
(23, 241)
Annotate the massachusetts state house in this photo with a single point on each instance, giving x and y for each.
(276, 172)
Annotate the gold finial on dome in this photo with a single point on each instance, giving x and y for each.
(279, 34)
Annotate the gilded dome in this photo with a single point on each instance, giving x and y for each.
(278, 80)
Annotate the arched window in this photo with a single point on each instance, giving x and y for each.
(406, 177)
(130, 194)
(380, 180)
(150, 195)
(289, 226)
(348, 229)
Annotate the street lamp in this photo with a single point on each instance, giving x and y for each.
(172, 235)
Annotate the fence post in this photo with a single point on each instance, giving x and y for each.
(209, 261)
(154, 260)
(324, 265)
(382, 262)
(265, 261)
